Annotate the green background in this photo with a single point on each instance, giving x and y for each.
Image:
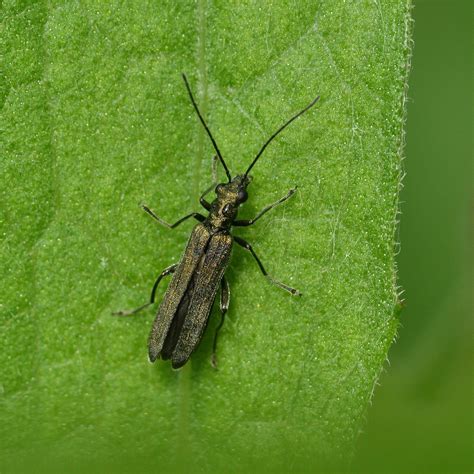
(422, 415)
(97, 121)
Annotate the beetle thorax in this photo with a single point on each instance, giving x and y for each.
(226, 205)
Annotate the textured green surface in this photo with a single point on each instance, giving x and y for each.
(96, 120)
(422, 419)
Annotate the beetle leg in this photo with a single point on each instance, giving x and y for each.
(247, 222)
(202, 201)
(214, 169)
(248, 247)
(165, 272)
(196, 215)
(224, 306)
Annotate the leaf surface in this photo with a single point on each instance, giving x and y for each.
(95, 121)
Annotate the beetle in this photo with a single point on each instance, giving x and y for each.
(184, 312)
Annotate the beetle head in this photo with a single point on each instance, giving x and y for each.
(234, 192)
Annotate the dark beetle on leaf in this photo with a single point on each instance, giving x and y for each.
(184, 311)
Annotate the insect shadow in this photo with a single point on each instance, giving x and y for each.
(184, 312)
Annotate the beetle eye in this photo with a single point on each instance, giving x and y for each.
(219, 188)
(242, 196)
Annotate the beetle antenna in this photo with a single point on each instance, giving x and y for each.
(207, 128)
(301, 112)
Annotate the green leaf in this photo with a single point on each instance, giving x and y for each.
(96, 120)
